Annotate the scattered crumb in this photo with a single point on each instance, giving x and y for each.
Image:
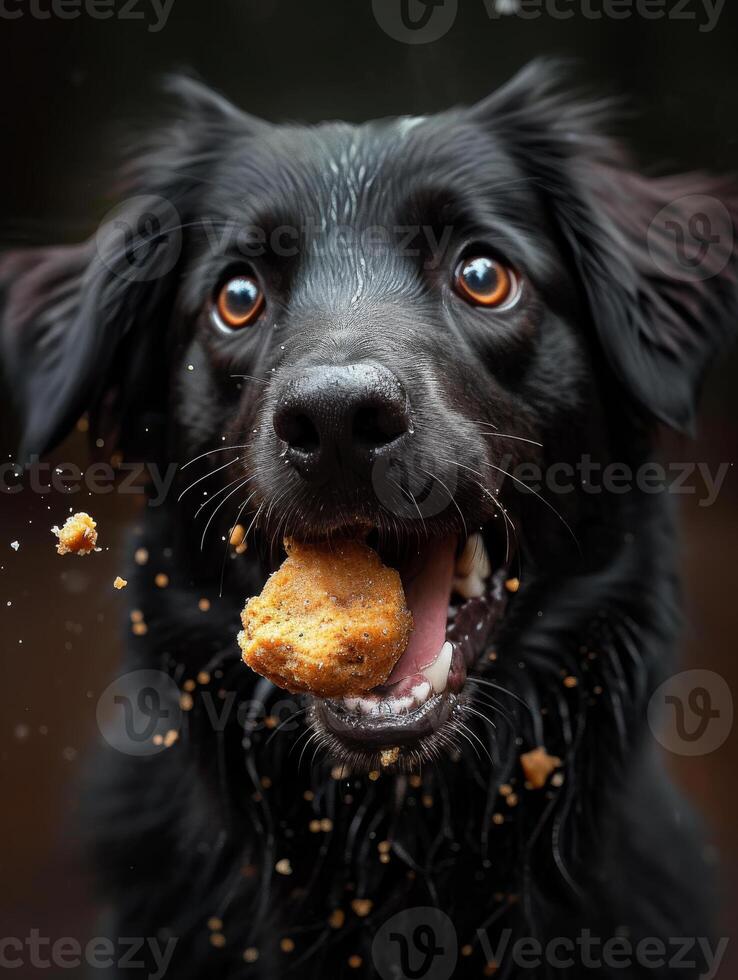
(15, 545)
(171, 737)
(374, 775)
(189, 685)
(466, 950)
(388, 757)
(119, 583)
(570, 681)
(538, 766)
(136, 616)
(203, 677)
(185, 702)
(203, 605)
(237, 535)
(337, 918)
(140, 556)
(215, 924)
(217, 939)
(287, 945)
(161, 580)
(362, 906)
(251, 955)
(512, 584)
(77, 536)
(354, 961)
(140, 629)
(283, 866)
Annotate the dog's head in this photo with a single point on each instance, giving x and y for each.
(375, 327)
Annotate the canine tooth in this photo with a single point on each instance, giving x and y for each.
(469, 586)
(474, 558)
(437, 673)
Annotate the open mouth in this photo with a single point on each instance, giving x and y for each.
(456, 596)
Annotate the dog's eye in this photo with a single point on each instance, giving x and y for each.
(239, 302)
(484, 281)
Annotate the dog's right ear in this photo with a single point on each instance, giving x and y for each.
(82, 324)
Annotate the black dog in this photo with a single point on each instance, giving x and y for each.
(392, 328)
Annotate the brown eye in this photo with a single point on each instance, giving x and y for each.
(485, 282)
(239, 302)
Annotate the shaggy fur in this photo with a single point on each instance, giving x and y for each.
(602, 347)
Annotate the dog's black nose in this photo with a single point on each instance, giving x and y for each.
(336, 420)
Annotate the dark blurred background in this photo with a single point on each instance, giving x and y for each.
(73, 88)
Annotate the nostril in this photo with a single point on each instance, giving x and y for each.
(299, 432)
(375, 426)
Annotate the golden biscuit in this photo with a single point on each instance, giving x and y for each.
(331, 620)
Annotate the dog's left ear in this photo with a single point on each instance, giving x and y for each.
(656, 257)
(85, 326)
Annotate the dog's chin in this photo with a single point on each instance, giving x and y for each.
(412, 718)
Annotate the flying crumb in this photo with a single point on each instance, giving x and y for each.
(203, 605)
(217, 939)
(251, 955)
(512, 584)
(15, 545)
(362, 906)
(283, 866)
(538, 766)
(140, 556)
(119, 583)
(287, 945)
(354, 961)
(388, 757)
(570, 681)
(337, 919)
(77, 536)
(161, 580)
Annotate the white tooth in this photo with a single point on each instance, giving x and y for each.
(437, 673)
(470, 586)
(421, 692)
(474, 558)
(351, 704)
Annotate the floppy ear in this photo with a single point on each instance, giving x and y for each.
(656, 257)
(83, 324)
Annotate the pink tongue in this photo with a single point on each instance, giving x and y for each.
(427, 585)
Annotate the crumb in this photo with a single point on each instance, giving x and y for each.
(362, 906)
(119, 583)
(512, 584)
(287, 945)
(161, 580)
(140, 629)
(203, 677)
(140, 556)
(388, 757)
(77, 536)
(171, 737)
(237, 535)
(215, 924)
(538, 766)
(354, 961)
(15, 545)
(251, 955)
(218, 940)
(337, 918)
(186, 702)
(283, 866)
(570, 681)
(203, 605)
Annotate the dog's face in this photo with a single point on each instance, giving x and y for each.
(363, 331)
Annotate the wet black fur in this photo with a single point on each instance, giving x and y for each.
(602, 347)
